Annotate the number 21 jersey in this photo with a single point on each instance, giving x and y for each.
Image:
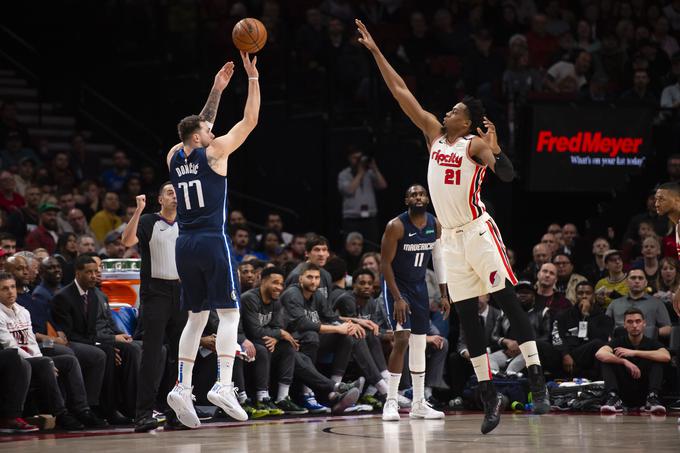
(455, 182)
(201, 193)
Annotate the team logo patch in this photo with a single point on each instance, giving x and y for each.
(429, 231)
(233, 294)
(494, 278)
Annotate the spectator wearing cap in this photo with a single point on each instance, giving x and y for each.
(45, 235)
(546, 294)
(10, 199)
(613, 285)
(113, 246)
(655, 313)
(567, 279)
(107, 219)
(581, 331)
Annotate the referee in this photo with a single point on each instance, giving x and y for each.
(161, 317)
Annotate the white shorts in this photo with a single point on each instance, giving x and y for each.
(476, 260)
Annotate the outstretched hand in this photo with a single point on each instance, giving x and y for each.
(489, 137)
(249, 64)
(223, 76)
(366, 38)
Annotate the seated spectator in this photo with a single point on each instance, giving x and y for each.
(107, 219)
(246, 275)
(546, 294)
(86, 244)
(15, 151)
(33, 264)
(614, 284)
(88, 198)
(317, 329)
(667, 284)
(270, 246)
(66, 254)
(78, 222)
(632, 247)
(596, 269)
(520, 79)
(113, 246)
(580, 332)
(240, 239)
(568, 77)
(649, 215)
(67, 202)
(46, 235)
(10, 199)
(16, 333)
(632, 367)
(541, 44)
(114, 178)
(60, 172)
(40, 307)
(551, 240)
(236, 217)
(670, 96)
(541, 255)
(657, 321)
(24, 220)
(8, 244)
(337, 269)
(261, 312)
(275, 223)
(297, 247)
(354, 248)
(17, 266)
(641, 91)
(25, 175)
(667, 42)
(132, 188)
(15, 378)
(649, 261)
(509, 358)
(567, 280)
(79, 309)
(85, 164)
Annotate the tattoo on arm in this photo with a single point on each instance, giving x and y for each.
(209, 111)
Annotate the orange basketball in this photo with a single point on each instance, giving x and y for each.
(249, 35)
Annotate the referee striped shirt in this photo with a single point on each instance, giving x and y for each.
(157, 237)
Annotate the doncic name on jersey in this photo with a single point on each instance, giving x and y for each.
(186, 169)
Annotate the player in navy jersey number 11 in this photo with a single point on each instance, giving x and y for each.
(203, 252)
(408, 243)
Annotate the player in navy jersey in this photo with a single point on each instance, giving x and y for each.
(204, 256)
(408, 243)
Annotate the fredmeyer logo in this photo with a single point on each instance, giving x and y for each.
(587, 142)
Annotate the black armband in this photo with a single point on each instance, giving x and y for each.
(503, 168)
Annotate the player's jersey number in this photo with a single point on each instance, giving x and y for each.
(185, 186)
(452, 177)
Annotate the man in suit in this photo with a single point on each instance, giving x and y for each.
(76, 309)
(460, 367)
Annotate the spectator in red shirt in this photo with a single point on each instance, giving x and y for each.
(45, 235)
(10, 200)
(541, 45)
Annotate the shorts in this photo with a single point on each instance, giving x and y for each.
(207, 271)
(476, 260)
(415, 295)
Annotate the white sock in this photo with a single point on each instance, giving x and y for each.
(530, 353)
(371, 390)
(482, 367)
(418, 380)
(393, 386)
(225, 343)
(385, 375)
(283, 392)
(188, 346)
(428, 393)
(307, 391)
(382, 387)
(262, 394)
(336, 378)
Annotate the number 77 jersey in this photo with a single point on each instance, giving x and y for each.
(201, 193)
(455, 182)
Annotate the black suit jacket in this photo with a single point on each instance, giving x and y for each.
(69, 312)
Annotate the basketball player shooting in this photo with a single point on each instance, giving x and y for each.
(474, 254)
(204, 255)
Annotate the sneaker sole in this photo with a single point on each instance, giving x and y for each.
(656, 410)
(187, 417)
(425, 417)
(349, 399)
(391, 418)
(235, 413)
(610, 410)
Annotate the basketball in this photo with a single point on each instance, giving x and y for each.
(249, 35)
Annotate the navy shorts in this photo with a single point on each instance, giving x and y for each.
(415, 295)
(207, 271)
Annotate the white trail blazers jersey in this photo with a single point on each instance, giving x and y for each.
(455, 182)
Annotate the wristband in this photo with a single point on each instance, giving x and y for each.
(253, 78)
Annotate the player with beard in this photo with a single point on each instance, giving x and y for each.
(408, 243)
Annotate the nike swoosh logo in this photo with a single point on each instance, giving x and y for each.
(532, 355)
(482, 233)
(412, 234)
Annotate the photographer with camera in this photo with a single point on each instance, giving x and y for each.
(357, 184)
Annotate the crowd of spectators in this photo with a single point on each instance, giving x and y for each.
(61, 213)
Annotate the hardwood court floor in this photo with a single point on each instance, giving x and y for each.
(457, 433)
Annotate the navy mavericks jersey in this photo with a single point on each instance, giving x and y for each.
(201, 193)
(414, 250)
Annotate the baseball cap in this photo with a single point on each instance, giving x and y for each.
(112, 237)
(524, 284)
(47, 207)
(610, 253)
